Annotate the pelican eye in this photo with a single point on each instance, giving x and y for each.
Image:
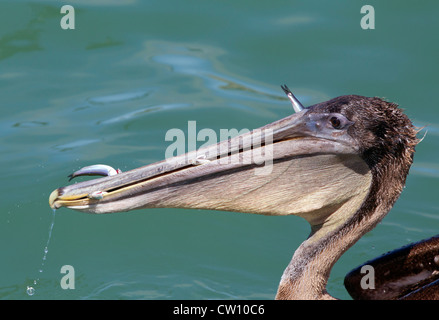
(335, 122)
(338, 121)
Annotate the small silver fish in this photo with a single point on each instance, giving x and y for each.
(200, 160)
(97, 195)
(296, 103)
(95, 170)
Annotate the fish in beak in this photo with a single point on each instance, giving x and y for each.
(306, 164)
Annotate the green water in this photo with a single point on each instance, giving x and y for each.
(108, 91)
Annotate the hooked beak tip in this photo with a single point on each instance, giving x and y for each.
(52, 198)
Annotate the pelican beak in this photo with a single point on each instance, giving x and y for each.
(292, 166)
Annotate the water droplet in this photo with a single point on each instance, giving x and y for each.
(30, 291)
(436, 260)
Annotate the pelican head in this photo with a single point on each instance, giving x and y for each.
(339, 164)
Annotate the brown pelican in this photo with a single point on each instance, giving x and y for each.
(340, 164)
